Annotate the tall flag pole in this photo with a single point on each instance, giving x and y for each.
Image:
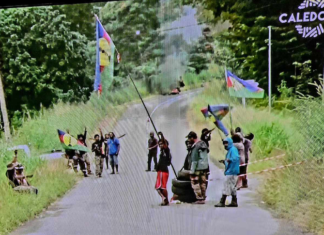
(105, 50)
(269, 68)
(230, 111)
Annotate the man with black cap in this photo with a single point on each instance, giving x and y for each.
(199, 167)
(152, 147)
(206, 136)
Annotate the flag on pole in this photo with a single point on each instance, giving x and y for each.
(243, 88)
(105, 50)
(70, 143)
(221, 126)
(219, 111)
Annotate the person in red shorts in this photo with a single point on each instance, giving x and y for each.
(163, 171)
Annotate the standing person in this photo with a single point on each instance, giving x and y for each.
(80, 155)
(232, 169)
(153, 148)
(114, 148)
(247, 150)
(85, 155)
(206, 136)
(69, 154)
(163, 171)
(97, 149)
(240, 147)
(106, 150)
(181, 82)
(199, 167)
(187, 163)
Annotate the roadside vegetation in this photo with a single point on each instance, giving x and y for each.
(295, 193)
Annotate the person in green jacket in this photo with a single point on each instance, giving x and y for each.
(199, 167)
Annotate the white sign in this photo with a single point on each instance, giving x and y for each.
(306, 16)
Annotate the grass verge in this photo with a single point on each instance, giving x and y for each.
(51, 177)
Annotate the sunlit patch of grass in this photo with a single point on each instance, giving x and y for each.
(53, 181)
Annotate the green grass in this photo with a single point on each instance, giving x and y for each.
(53, 181)
(295, 193)
(52, 178)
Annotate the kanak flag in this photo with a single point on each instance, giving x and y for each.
(70, 143)
(105, 54)
(243, 88)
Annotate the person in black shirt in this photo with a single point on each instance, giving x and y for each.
(163, 171)
(97, 149)
(187, 163)
(205, 136)
(106, 150)
(152, 147)
(80, 155)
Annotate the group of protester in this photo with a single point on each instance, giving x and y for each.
(238, 152)
(17, 179)
(103, 149)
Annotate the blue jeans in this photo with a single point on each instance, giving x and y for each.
(113, 160)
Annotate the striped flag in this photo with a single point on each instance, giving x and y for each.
(243, 88)
(105, 55)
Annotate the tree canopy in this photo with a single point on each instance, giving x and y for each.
(247, 39)
(42, 58)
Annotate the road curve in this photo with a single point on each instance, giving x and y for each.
(128, 204)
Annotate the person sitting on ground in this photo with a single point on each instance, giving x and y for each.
(15, 159)
(20, 176)
(11, 175)
(23, 185)
(163, 171)
(240, 147)
(199, 167)
(232, 169)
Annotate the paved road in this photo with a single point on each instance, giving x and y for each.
(128, 204)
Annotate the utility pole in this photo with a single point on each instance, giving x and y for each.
(4, 112)
(323, 82)
(269, 68)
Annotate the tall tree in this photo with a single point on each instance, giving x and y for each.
(41, 58)
(248, 38)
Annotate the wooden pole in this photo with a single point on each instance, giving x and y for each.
(4, 111)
